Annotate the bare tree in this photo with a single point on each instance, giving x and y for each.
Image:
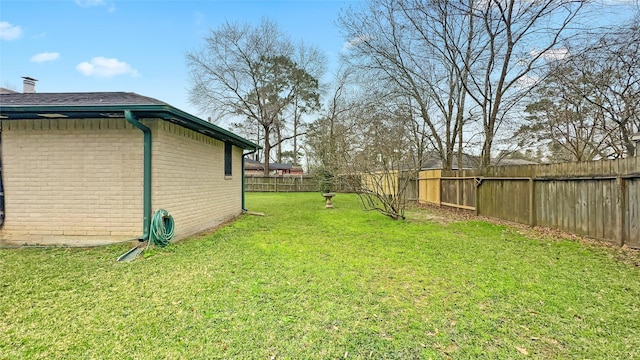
(330, 135)
(588, 104)
(249, 72)
(612, 68)
(456, 58)
(408, 45)
(366, 142)
(314, 62)
(567, 126)
(502, 58)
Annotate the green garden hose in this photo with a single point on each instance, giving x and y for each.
(161, 232)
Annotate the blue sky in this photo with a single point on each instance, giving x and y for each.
(138, 45)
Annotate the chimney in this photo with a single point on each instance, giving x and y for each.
(29, 85)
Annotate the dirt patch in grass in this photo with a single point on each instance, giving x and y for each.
(421, 215)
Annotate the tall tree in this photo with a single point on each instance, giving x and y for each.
(612, 67)
(566, 125)
(314, 62)
(458, 60)
(332, 135)
(414, 47)
(502, 56)
(248, 72)
(366, 137)
(588, 104)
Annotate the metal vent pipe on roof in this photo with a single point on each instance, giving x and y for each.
(29, 85)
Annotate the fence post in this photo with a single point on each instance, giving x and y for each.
(477, 192)
(458, 190)
(532, 199)
(619, 233)
(439, 181)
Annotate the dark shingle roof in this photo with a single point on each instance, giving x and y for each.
(433, 161)
(257, 165)
(512, 162)
(38, 106)
(77, 99)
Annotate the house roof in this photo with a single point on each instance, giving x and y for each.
(511, 162)
(38, 106)
(7, 91)
(432, 160)
(257, 165)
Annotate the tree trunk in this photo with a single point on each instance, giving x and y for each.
(267, 150)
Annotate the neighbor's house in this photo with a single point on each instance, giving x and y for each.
(90, 168)
(432, 161)
(256, 168)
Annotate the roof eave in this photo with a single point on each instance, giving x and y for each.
(166, 112)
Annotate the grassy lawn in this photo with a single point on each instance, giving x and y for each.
(305, 282)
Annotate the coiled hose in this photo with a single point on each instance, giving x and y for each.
(161, 232)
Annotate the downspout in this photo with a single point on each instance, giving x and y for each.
(244, 208)
(146, 208)
(1, 183)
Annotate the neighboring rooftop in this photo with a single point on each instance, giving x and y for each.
(7, 91)
(257, 165)
(511, 162)
(432, 161)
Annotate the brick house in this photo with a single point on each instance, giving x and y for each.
(256, 168)
(90, 168)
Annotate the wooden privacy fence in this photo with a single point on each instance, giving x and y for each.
(599, 199)
(449, 188)
(381, 182)
(281, 183)
(292, 183)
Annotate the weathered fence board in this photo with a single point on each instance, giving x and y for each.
(457, 188)
(632, 226)
(293, 183)
(632, 201)
(408, 180)
(598, 199)
(281, 184)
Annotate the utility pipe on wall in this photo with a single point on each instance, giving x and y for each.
(244, 208)
(146, 208)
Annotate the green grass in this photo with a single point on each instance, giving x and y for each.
(306, 282)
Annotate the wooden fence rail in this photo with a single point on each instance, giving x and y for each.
(281, 183)
(599, 199)
(295, 183)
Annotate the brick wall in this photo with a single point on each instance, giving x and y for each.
(189, 180)
(80, 182)
(73, 182)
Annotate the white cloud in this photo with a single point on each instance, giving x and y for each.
(45, 56)
(552, 54)
(9, 32)
(355, 41)
(93, 3)
(528, 81)
(90, 3)
(106, 68)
